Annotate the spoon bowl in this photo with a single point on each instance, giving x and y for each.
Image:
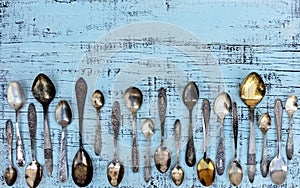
(206, 171)
(264, 123)
(115, 172)
(10, 175)
(177, 175)
(82, 168)
(235, 172)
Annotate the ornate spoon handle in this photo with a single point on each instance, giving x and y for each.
(290, 142)
(98, 140)
(220, 163)
(252, 148)
(19, 145)
(9, 133)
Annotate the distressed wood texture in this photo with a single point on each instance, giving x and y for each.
(114, 44)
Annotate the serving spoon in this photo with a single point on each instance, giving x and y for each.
(98, 102)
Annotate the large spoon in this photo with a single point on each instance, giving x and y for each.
(206, 167)
(222, 107)
(190, 98)
(34, 171)
(264, 124)
(147, 129)
(44, 91)
(291, 106)
(82, 167)
(11, 173)
(235, 171)
(98, 102)
(133, 100)
(16, 99)
(278, 168)
(63, 116)
(252, 92)
(115, 169)
(177, 172)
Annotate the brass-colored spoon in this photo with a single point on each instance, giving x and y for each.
(16, 99)
(252, 92)
(222, 107)
(63, 116)
(278, 168)
(98, 102)
(291, 106)
(148, 129)
(133, 100)
(264, 124)
(34, 171)
(162, 156)
(115, 169)
(11, 173)
(177, 172)
(235, 170)
(206, 167)
(44, 91)
(190, 98)
(82, 167)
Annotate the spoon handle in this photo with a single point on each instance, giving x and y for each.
(135, 152)
(32, 126)
(220, 161)
(205, 121)
(190, 153)
(63, 167)
(278, 120)
(290, 141)
(47, 143)
(235, 126)
(19, 145)
(177, 135)
(98, 140)
(264, 161)
(147, 169)
(115, 119)
(252, 148)
(9, 133)
(162, 108)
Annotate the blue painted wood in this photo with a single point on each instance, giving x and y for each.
(150, 44)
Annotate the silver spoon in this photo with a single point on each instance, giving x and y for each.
(291, 106)
(148, 129)
(63, 116)
(11, 173)
(98, 102)
(16, 99)
(133, 100)
(177, 172)
(278, 168)
(34, 171)
(115, 169)
(264, 124)
(235, 171)
(44, 91)
(222, 107)
(162, 157)
(190, 98)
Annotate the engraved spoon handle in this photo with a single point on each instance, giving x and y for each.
(220, 161)
(47, 143)
(32, 127)
(205, 121)
(264, 161)
(252, 148)
(177, 135)
(147, 169)
(135, 152)
(290, 141)
(9, 133)
(19, 145)
(98, 140)
(63, 168)
(115, 119)
(162, 107)
(278, 120)
(235, 127)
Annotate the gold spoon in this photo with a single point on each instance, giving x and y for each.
(252, 92)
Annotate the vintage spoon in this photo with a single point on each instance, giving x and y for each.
(63, 116)
(11, 173)
(115, 169)
(34, 171)
(162, 156)
(148, 129)
(235, 171)
(177, 172)
(291, 106)
(222, 107)
(82, 167)
(206, 167)
(252, 92)
(264, 124)
(133, 100)
(16, 99)
(190, 98)
(278, 168)
(98, 102)
(44, 91)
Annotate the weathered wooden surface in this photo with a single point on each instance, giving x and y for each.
(113, 45)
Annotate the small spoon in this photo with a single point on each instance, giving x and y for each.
(291, 106)
(11, 173)
(206, 167)
(98, 102)
(16, 99)
(82, 167)
(115, 169)
(252, 91)
(222, 107)
(278, 168)
(133, 100)
(63, 116)
(44, 91)
(162, 157)
(264, 124)
(177, 172)
(148, 129)
(235, 171)
(190, 98)
(34, 171)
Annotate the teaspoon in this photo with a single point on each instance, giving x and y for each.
(98, 102)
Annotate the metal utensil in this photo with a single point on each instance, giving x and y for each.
(98, 102)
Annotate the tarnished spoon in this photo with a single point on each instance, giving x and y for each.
(98, 102)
